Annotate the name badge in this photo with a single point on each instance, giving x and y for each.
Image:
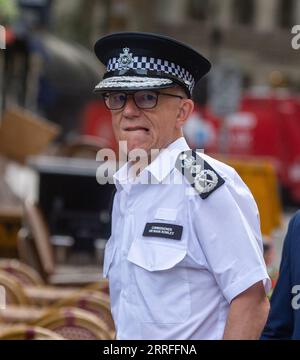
(169, 231)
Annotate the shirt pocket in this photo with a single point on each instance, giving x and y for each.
(159, 283)
(109, 251)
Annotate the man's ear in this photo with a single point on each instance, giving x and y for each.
(184, 112)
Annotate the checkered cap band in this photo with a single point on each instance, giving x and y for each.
(145, 63)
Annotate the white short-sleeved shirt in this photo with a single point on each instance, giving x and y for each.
(166, 288)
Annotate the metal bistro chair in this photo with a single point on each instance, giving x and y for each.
(21, 314)
(27, 332)
(92, 301)
(75, 324)
(13, 290)
(36, 249)
(23, 273)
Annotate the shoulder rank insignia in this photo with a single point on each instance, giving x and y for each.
(198, 173)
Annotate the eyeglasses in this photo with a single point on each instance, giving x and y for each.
(143, 99)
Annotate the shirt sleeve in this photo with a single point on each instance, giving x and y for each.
(228, 230)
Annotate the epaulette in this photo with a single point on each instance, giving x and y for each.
(199, 173)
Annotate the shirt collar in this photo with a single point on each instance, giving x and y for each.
(122, 177)
(160, 167)
(165, 161)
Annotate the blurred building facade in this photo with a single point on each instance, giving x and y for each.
(256, 33)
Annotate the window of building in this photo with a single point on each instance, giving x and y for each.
(199, 9)
(285, 13)
(243, 11)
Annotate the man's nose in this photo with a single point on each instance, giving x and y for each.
(130, 108)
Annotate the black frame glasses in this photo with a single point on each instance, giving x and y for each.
(141, 98)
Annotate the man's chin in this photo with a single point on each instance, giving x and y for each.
(139, 149)
(138, 146)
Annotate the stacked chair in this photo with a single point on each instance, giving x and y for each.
(27, 332)
(37, 248)
(35, 310)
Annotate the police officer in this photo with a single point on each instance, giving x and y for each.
(184, 260)
(284, 318)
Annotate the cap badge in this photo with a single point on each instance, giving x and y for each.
(125, 60)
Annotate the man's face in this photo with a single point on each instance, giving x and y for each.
(149, 128)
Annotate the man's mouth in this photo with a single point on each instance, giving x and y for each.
(136, 128)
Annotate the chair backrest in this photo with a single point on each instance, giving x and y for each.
(21, 314)
(27, 332)
(24, 274)
(92, 301)
(48, 295)
(13, 290)
(40, 233)
(27, 251)
(75, 324)
(102, 286)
